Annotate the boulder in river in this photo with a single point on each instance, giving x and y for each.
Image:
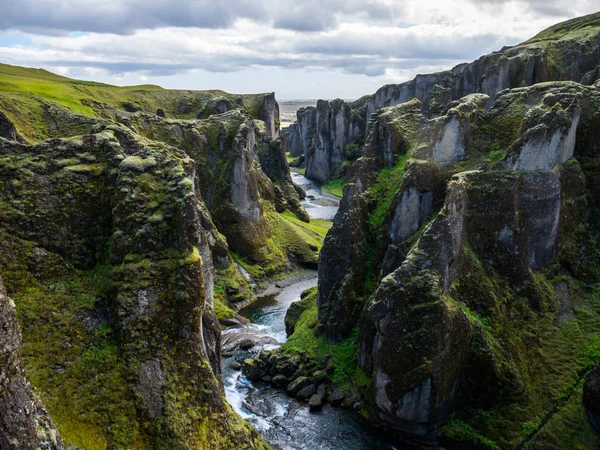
(235, 365)
(254, 369)
(306, 392)
(337, 397)
(295, 386)
(315, 402)
(280, 381)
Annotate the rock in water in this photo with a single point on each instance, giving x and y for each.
(254, 369)
(298, 384)
(307, 392)
(235, 365)
(336, 397)
(315, 403)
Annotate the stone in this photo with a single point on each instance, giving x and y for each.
(247, 344)
(286, 368)
(336, 397)
(350, 400)
(254, 369)
(235, 365)
(315, 403)
(318, 377)
(295, 386)
(306, 392)
(322, 391)
(280, 381)
(25, 423)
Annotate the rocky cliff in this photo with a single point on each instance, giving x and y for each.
(329, 134)
(455, 234)
(121, 241)
(25, 423)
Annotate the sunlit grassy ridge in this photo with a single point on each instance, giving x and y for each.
(26, 95)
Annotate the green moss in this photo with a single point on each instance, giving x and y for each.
(335, 187)
(222, 311)
(137, 163)
(388, 182)
(27, 94)
(78, 372)
(344, 355)
(459, 431)
(568, 428)
(318, 228)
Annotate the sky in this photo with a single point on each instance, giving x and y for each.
(296, 48)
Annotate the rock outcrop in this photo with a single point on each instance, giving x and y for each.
(591, 396)
(115, 243)
(567, 51)
(24, 422)
(503, 195)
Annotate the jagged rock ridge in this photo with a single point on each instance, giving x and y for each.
(328, 134)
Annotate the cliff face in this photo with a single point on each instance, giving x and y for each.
(25, 423)
(455, 234)
(115, 245)
(569, 51)
(136, 299)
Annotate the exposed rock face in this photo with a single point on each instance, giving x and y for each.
(269, 113)
(559, 53)
(429, 294)
(24, 422)
(293, 140)
(591, 396)
(321, 134)
(341, 271)
(550, 140)
(7, 128)
(142, 199)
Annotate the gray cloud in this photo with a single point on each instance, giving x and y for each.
(550, 8)
(409, 46)
(127, 16)
(124, 17)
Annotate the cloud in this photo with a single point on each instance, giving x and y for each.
(127, 16)
(379, 40)
(124, 16)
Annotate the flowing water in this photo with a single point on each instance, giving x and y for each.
(284, 422)
(318, 203)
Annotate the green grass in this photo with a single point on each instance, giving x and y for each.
(335, 187)
(388, 182)
(344, 354)
(79, 374)
(24, 93)
(317, 227)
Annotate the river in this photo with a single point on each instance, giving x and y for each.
(284, 422)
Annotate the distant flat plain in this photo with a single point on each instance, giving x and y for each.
(288, 108)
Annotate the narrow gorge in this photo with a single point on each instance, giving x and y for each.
(418, 268)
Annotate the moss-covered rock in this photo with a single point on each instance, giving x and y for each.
(25, 423)
(472, 280)
(120, 323)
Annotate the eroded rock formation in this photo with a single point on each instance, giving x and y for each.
(24, 422)
(434, 303)
(568, 51)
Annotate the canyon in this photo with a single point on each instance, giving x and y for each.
(175, 271)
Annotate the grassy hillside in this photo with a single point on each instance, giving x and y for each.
(581, 27)
(27, 95)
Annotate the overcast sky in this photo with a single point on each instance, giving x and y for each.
(297, 48)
